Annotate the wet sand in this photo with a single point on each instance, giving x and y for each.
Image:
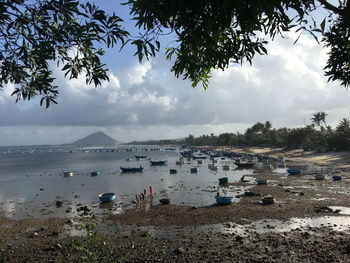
(301, 226)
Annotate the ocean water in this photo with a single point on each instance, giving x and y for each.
(31, 179)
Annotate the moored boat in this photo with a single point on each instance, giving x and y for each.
(164, 201)
(106, 197)
(223, 180)
(194, 170)
(158, 162)
(226, 167)
(320, 176)
(173, 171)
(95, 173)
(294, 171)
(140, 156)
(68, 174)
(224, 199)
(131, 169)
(261, 181)
(336, 178)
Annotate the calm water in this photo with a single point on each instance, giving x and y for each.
(31, 179)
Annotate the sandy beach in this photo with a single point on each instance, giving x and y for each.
(309, 222)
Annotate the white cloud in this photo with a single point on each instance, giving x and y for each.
(146, 101)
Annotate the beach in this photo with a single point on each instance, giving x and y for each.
(308, 222)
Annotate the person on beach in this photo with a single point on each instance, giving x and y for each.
(151, 191)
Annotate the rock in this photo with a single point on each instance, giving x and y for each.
(59, 203)
(58, 245)
(86, 208)
(239, 238)
(179, 250)
(54, 233)
(35, 234)
(69, 209)
(70, 222)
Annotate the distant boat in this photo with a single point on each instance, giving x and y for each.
(68, 174)
(244, 164)
(158, 162)
(224, 200)
(106, 197)
(336, 178)
(194, 170)
(140, 156)
(223, 180)
(131, 169)
(260, 181)
(320, 176)
(294, 171)
(95, 173)
(173, 171)
(164, 201)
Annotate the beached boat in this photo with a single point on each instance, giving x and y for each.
(320, 176)
(336, 178)
(158, 162)
(173, 171)
(267, 200)
(106, 197)
(68, 174)
(194, 170)
(223, 180)
(294, 171)
(241, 164)
(95, 173)
(224, 199)
(131, 169)
(261, 181)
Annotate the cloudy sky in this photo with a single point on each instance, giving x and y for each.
(146, 101)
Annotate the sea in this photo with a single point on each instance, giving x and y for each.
(32, 179)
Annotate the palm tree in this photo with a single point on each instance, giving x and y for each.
(319, 120)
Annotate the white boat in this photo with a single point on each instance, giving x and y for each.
(68, 174)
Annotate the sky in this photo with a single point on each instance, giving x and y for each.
(145, 101)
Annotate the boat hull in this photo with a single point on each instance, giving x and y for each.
(224, 200)
(131, 169)
(106, 197)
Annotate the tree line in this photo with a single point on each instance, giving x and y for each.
(318, 136)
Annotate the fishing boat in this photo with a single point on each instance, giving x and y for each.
(267, 200)
(106, 197)
(95, 173)
(224, 199)
(173, 171)
(164, 201)
(223, 180)
(320, 176)
(241, 164)
(261, 181)
(158, 162)
(194, 170)
(140, 156)
(131, 169)
(294, 171)
(336, 178)
(68, 174)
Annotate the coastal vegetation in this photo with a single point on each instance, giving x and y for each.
(202, 35)
(318, 136)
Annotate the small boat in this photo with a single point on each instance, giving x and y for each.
(336, 178)
(131, 169)
(140, 156)
(68, 174)
(224, 199)
(244, 164)
(164, 201)
(267, 200)
(106, 197)
(95, 173)
(173, 171)
(293, 171)
(158, 162)
(199, 161)
(320, 176)
(194, 170)
(223, 180)
(261, 182)
(180, 162)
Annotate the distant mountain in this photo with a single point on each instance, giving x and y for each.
(97, 138)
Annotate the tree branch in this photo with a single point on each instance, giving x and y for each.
(331, 7)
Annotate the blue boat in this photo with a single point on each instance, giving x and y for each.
(194, 170)
(131, 169)
(260, 181)
(336, 178)
(223, 180)
(173, 171)
(95, 173)
(293, 171)
(107, 197)
(224, 200)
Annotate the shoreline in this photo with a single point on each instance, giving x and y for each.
(175, 233)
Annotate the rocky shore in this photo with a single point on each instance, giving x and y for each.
(308, 222)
